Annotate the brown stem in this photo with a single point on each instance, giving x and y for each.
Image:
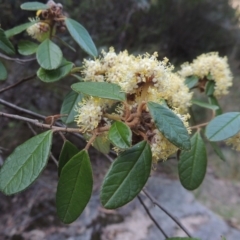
(103, 129)
(18, 83)
(127, 111)
(151, 217)
(91, 140)
(39, 124)
(39, 116)
(155, 202)
(199, 125)
(112, 116)
(144, 136)
(18, 60)
(133, 123)
(62, 136)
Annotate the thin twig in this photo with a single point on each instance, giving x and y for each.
(18, 60)
(155, 202)
(54, 159)
(108, 157)
(31, 113)
(91, 140)
(39, 124)
(17, 83)
(62, 136)
(22, 110)
(35, 133)
(199, 125)
(152, 218)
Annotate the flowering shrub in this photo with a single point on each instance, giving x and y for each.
(136, 105)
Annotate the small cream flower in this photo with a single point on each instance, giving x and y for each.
(210, 64)
(39, 31)
(234, 141)
(161, 147)
(90, 112)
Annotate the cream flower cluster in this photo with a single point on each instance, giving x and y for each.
(234, 141)
(39, 31)
(213, 64)
(90, 111)
(129, 71)
(143, 77)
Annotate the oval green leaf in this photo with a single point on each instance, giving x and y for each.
(193, 164)
(214, 101)
(66, 44)
(3, 72)
(49, 55)
(74, 187)
(127, 176)
(81, 36)
(67, 152)
(210, 87)
(5, 44)
(120, 135)
(223, 126)
(102, 144)
(191, 81)
(218, 151)
(56, 74)
(69, 106)
(100, 89)
(170, 125)
(18, 29)
(205, 105)
(25, 164)
(34, 6)
(26, 47)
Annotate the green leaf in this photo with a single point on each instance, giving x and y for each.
(74, 187)
(77, 77)
(170, 125)
(205, 105)
(102, 144)
(191, 81)
(120, 135)
(56, 74)
(3, 72)
(68, 151)
(81, 36)
(67, 45)
(209, 77)
(127, 176)
(223, 126)
(25, 164)
(214, 101)
(218, 151)
(69, 105)
(34, 6)
(193, 164)
(26, 47)
(182, 238)
(210, 87)
(18, 29)
(5, 44)
(100, 89)
(49, 55)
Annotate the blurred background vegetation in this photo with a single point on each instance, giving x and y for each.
(177, 29)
